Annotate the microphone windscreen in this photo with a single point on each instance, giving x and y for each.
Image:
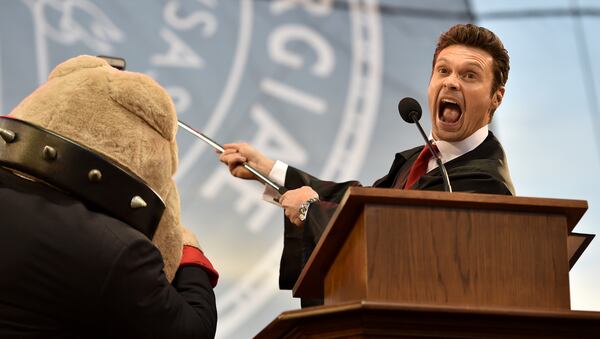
(408, 107)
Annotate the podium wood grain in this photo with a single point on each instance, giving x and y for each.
(452, 257)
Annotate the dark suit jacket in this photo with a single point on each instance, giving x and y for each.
(67, 271)
(482, 170)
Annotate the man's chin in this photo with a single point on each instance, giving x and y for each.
(448, 134)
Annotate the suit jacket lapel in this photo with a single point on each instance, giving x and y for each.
(399, 171)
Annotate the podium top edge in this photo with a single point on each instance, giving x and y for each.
(369, 192)
(571, 208)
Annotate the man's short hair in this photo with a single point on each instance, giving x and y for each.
(479, 37)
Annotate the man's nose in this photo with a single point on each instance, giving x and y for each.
(451, 82)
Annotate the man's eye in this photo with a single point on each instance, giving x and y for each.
(442, 70)
(470, 75)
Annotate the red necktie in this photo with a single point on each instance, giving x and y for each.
(419, 167)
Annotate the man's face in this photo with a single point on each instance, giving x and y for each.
(459, 92)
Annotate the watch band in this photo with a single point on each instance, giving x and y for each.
(304, 208)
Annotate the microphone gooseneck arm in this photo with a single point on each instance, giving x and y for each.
(411, 111)
(219, 148)
(436, 155)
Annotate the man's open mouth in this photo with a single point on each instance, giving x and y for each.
(449, 111)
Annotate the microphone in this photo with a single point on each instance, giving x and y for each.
(411, 112)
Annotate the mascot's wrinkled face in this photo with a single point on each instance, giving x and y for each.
(124, 116)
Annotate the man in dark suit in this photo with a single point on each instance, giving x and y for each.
(470, 69)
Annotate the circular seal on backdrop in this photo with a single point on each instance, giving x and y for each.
(299, 80)
(303, 87)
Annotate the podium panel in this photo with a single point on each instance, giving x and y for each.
(453, 256)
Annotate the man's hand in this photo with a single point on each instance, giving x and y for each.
(236, 154)
(293, 199)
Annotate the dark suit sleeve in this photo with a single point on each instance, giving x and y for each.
(298, 242)
(319, 214)
(328, 190)
(140, 303)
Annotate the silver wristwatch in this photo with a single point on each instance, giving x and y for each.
(304, 208)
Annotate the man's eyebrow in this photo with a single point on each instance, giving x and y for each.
(468, 63)
(475, 64)
(441, 60)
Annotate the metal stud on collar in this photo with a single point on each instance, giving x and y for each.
(95, 175)
(137, 202)
(49, 153)
(8, 135)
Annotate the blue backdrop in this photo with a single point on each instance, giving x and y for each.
(316, 84)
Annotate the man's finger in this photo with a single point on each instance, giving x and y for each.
(233, 158)
(283, 199)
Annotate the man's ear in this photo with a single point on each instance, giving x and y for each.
(497, 97)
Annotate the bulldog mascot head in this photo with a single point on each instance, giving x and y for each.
(126, 118)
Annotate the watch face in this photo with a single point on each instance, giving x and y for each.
(303, 210)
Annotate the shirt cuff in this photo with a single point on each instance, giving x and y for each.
(277, 175)
(278, 172)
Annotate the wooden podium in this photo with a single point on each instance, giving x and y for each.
(395, 263)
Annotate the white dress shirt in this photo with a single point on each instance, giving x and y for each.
(452, 150)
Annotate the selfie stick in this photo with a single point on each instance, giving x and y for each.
(220, 149)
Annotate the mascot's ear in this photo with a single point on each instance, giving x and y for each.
(76, 64)
(144, 97)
